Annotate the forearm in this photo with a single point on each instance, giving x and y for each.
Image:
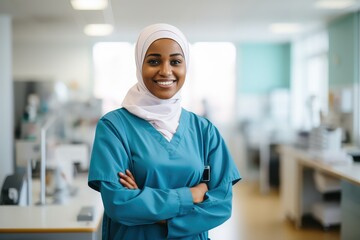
(146, 206)
(215, 210)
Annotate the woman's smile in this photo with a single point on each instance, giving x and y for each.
(165, 83)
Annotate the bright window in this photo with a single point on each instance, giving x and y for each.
(309, 85)
(115, 73)
(210, 88)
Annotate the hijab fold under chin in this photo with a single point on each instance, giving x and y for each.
(162, 114)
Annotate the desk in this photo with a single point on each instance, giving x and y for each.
(54, 221)
(298, 191)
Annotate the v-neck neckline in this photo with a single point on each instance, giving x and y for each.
(174, 142)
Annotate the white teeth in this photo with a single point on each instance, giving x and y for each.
(167, 83)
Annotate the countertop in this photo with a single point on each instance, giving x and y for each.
(52, 217)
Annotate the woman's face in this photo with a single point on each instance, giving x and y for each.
(164, 68)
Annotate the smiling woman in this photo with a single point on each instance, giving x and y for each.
(150, 157)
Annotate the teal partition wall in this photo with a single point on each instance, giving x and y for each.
(6, 103)
(344, 67)
(343, 57)
(263, 67)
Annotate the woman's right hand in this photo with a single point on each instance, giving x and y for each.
(128, 180)
(198, 192)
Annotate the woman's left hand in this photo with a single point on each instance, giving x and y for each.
(128, 180)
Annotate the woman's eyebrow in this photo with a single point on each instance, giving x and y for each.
(159, 55)
(153, 55)
(176, 54)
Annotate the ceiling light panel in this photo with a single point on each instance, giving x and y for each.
(89, 4)
(98, 29)
(285, 28)
(334, 4)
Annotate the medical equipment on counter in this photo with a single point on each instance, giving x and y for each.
(323, 138)
(74, 153)
(26, 149)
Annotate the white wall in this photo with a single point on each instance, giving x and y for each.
(69, 62)
(6, 103)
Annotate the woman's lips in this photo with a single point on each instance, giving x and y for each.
(165, 83)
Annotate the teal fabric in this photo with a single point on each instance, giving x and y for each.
(164, 172)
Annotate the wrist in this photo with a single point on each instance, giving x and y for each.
(198, 192)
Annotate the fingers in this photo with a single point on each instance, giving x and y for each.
(126, 184)
(128, 180)
(130, 174)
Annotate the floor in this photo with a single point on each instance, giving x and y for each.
(256, 217)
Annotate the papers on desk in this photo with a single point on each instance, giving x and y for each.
(331, 157)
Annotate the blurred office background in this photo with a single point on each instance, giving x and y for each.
(265, 72)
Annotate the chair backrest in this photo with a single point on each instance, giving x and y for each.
(12, 188)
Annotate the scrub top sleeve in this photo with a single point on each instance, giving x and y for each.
(185, 199)
(109, 155)
(223, 167)
(212, 212)
(146, 206)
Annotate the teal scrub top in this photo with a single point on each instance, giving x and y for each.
(164, 172)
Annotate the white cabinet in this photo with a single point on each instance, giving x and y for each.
(297, 188)
(288, 184)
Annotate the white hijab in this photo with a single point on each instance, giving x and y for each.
(162, 114)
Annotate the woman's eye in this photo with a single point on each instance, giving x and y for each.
(175, 62)
(153, 62)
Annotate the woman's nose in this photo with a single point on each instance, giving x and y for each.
(165, 69)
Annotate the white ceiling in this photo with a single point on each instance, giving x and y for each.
(200, 20)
